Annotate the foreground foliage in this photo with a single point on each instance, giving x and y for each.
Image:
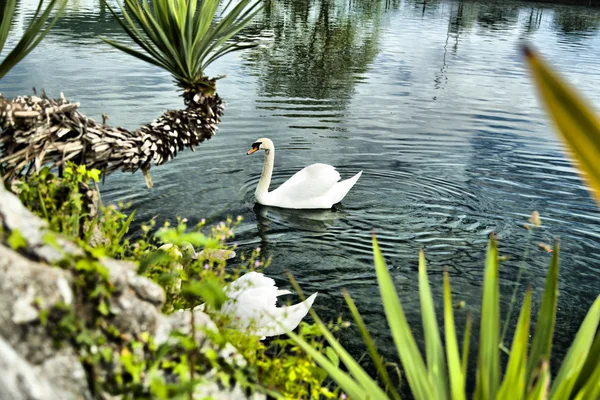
(279, 367)
(442, 375)
(34, 32)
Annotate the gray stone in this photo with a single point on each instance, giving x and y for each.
(25, 288)
(18, 380)
(15, 217)
(32, 367)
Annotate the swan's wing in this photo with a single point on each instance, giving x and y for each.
(282, 319)
(251, 304)
(312, 181)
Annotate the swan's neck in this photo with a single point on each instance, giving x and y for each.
(267, 173)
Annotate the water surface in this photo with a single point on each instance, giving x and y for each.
(430, 99)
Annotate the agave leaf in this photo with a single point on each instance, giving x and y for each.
(406, 346)
(591, 364)
(513, 386)
(457, 377)
(134, 53)
(366, 382)
(377, 359)
(33, 35)
(577, 355)
(9, 12)
(349, 385)
(226, 29)
(541, 346)
(436, 363)
(488, 362)
(130, 28)
(577, 124)
(466, 344)
(539, 391)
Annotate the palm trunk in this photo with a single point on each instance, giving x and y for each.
(37, 131)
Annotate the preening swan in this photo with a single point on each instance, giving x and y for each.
(252, 306)
(316, 186)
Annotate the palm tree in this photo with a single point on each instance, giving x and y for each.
(181, 36)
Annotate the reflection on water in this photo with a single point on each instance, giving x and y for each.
(429, 98)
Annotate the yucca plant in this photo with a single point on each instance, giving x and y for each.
(34, 33)
(182, 36)
(185, 36)
(442, 374)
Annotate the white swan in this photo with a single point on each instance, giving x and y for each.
(252, 306)
(315, 186)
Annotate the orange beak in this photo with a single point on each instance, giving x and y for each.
(252, 150)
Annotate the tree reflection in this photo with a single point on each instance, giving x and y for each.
(573, 21)
(497, 16)
(319, 48)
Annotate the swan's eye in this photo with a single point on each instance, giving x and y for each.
(256, 145)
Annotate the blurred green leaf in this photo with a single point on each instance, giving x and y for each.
(541, 347)
(457, 377)
(15, 240)
(577, 355)
(375, 356)
(406, 346)
(333, 357)
(590, 367)
(577, 124)
(539, 391)
(209, 290)
(152, 258)
(488, 362)
(436, 363)
(513, 385)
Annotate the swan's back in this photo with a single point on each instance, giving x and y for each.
(310, 182)
(316, 186)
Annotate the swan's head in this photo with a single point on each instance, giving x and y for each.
(261, 144)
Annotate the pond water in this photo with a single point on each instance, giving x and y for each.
(430, 99)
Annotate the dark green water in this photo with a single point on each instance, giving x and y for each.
(430, 99)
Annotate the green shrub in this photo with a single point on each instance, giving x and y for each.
(71, 206)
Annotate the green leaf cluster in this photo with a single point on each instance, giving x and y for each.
(442, 373)
(184, 36)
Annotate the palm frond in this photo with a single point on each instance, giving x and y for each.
(37, 29)
(184, 36)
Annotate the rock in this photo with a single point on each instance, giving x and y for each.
(19, 381)
(32, 367)
(25, 288)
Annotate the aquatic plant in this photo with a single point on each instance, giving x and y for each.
(442, 375)
(38, 27)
